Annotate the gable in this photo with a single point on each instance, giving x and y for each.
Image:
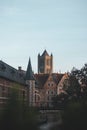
(53, 80)
(44, 79)
(50, 78)
(41, 79)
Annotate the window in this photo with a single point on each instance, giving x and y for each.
(12, 72)
(38, 98)
(52, 84)
(48, 84)
(3, 88)
(48, 98)
(2, 68)
(20, 74)
(51, 92)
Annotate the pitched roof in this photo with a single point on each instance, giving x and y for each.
(45, 53)
(42, 78)
(57, 77)
(29, 73)
(10, 73)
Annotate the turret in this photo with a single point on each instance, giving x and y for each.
(30, 82)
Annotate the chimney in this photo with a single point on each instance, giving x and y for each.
(19, 68)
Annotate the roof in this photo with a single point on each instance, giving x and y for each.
(45, 53)
(29, 73)
(10, 73)
(57, 77)
(42, 78)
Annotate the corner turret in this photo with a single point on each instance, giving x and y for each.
(29, 73)
(30, 82)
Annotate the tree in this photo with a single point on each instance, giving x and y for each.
(81, 76)
(60, 101)
(74, 88)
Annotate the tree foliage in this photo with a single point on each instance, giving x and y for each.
(81, 74)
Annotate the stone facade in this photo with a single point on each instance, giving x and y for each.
(47, 87)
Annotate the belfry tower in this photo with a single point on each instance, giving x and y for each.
(45, 63)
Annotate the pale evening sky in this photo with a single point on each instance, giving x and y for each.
(28, 27)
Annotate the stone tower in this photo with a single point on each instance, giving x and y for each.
(30, 82)
(45, 63)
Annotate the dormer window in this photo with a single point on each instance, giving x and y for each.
(12, 72)
(21, 75)
(48, 84)
(3, 67)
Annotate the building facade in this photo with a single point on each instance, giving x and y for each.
(11, 78)
(47, 86)
(36, 89)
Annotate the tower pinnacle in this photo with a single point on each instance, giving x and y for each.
(29, 73)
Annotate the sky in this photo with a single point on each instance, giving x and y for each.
(28, 27)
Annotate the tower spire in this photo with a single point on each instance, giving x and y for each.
(29, 73)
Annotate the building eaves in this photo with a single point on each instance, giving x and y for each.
(10, 73)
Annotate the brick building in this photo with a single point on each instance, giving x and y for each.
(36, 89)
(11, 78)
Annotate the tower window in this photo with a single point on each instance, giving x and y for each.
(48, 84)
